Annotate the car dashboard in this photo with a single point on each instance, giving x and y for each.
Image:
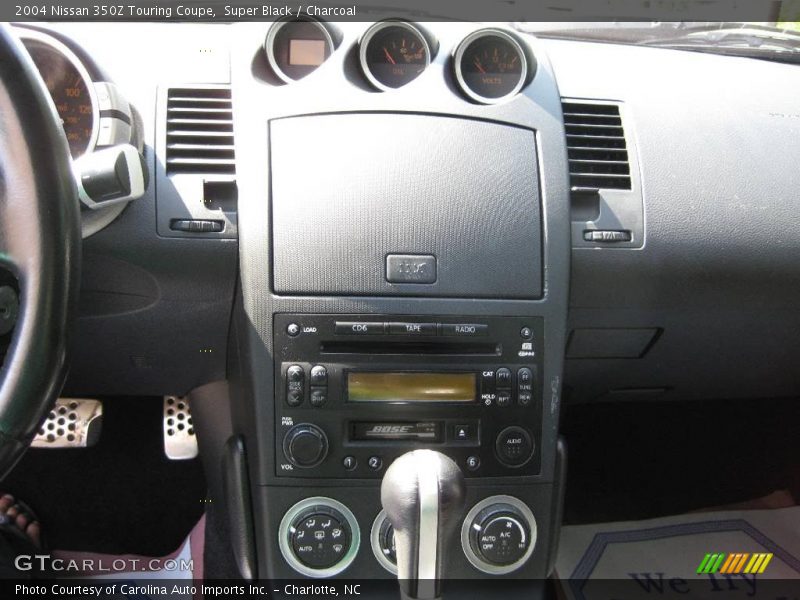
(393, 235)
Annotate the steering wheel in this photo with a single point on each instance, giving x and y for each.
(39, 245)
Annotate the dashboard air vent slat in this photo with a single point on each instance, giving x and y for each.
(200, 131)
(596, 146)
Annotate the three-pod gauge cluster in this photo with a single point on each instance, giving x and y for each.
(489, 65)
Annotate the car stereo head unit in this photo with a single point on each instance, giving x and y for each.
(353, 392)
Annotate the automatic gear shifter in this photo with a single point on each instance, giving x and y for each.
(422, 493)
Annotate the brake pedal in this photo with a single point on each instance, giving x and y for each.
(180, 441)
(72, 423)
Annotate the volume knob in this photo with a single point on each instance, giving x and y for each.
(305, 445)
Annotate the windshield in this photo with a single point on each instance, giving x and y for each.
(778, 40)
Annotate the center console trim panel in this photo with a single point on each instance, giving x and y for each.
(337, 86)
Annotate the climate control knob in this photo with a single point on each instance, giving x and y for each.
(319, 537)
(305, 445)
(499, 534)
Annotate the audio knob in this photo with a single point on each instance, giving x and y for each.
(499, 534)
(514, 446)
(305, 445)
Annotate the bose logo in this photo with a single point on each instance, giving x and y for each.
(391, 429)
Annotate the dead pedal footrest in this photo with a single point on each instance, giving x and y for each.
(71, 423)
(180, 441)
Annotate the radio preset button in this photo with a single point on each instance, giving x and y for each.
(375, 463)
(503, 378)
(473, 462)
(412, 328)
(358, 328)
(464, 329)
(349, 462)
(514, 446)
(319, 375)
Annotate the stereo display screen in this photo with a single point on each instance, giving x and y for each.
(375, 386)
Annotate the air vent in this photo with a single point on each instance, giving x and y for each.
(598, 155)
(200, 131)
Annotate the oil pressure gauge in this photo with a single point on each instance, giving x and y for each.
(393, 53)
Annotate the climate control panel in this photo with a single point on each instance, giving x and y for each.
(319, 537)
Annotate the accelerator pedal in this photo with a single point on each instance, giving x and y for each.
(180, 441)
(72, 423)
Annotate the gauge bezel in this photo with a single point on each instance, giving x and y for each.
(286, 548)
(269, 46)
(459, 55)
(66, 52)
(366, 38)
(477, 561)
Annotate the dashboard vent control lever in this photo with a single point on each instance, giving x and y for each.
(110, 176)
(422, 493)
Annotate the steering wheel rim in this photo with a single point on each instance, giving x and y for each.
(39, 244)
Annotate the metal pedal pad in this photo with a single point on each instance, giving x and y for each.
(180, 441)
(72, 423)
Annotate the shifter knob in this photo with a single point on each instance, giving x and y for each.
(422, 493)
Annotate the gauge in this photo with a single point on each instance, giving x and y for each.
(490, 66)
(70, 87)
(393, 53)
(296, 48)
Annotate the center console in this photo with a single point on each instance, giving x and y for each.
(404, 259)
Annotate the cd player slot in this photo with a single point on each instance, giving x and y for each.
(411, 348)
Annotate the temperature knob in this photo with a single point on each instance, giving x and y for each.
(305, 445)
(499, 534)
